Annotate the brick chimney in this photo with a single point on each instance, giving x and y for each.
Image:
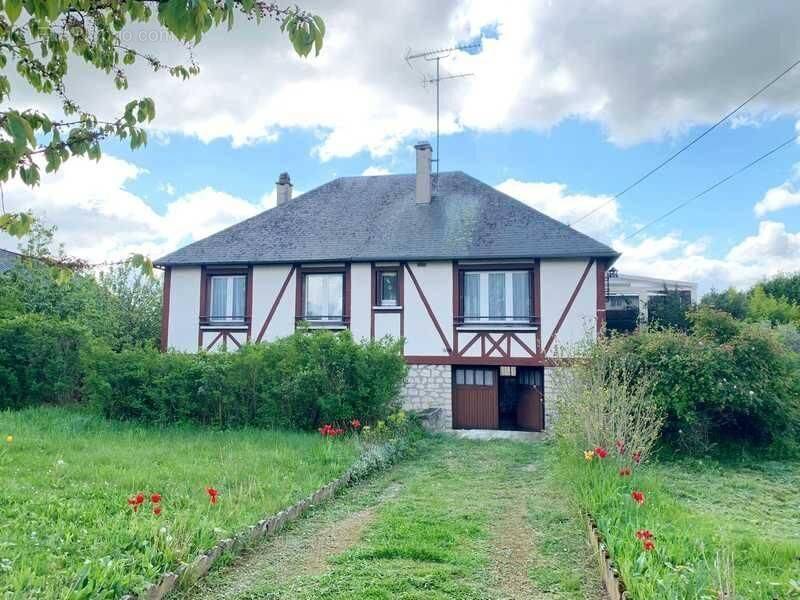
(423, 195)
(284, 188)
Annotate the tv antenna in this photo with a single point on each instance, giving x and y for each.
(436, 56)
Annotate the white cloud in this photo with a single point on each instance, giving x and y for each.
(778, 198)
(553, 200)
(373, 170)
(770, 251)
(641, 69)
(99, 220)
(167, 188)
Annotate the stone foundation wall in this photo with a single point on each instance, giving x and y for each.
(429, 386)
(553, 379)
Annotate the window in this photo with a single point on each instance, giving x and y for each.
(227, 297)
(531, 378)
(475, 377)
(622, 302)
(496, 296)
(323, 296)
(388, 284)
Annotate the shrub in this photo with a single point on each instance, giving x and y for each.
(301, 381)
(726, 381)
(602, 405)
(42, 360)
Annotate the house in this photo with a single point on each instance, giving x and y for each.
(628, 297)
(8, 260)
(485, 291)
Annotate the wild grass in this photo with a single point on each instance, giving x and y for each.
(66, 530)
(720, 530)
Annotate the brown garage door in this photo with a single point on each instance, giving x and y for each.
(475, 403)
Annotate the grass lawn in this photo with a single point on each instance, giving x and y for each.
(460, 519)
(751, 508)
(718, 527)
(66, 530)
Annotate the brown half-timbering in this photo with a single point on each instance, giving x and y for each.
(223, 337)
(567, 308)
(165, 309)
(532, 361)
(537, 302)
(248, 303)
(601, 296)
(203, 305)
(205, 324)
(301, 274)
(456, 305)
(489, 344)
(275, 304)
(429, 309)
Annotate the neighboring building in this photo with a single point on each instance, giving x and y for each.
(8, 260)
(484, 289)
(628, 297)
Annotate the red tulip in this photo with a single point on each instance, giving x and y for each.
(155, 498)
(139, 498)
(212, 494)
(644, 534)
(649, 545)
(637, 457)
(600, 452)
(156, 510)
(625, 472)
(638, 497)
(356, 424)
(620, 446)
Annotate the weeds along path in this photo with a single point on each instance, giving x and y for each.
(460, 519)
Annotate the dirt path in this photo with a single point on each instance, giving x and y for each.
(467, 520)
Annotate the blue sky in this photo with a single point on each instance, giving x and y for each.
(560, 113)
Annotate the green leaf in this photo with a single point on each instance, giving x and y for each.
(13, 9)
(19, 129)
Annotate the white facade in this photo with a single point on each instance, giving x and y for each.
(567, 300)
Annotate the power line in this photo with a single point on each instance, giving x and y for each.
(714, 186)
(690, 144)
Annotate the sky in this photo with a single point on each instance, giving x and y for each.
(568, 103)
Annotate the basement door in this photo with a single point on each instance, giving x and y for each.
(475, 395)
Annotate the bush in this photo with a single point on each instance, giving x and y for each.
(41, 361)
(726, 381)
(301, 381)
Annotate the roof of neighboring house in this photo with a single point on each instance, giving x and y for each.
(377, 218)
(8, 260)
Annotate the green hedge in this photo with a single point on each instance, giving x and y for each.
(42, 361)
(725, 381)
(301, 381)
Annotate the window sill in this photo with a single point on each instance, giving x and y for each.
(224, 325)
(326, 325)
(387, 308)
(495, 326)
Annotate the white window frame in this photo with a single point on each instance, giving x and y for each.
(393, 273)
(323, 318)
(229, 317)
(483, 288)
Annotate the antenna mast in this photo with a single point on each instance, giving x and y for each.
(437, 56)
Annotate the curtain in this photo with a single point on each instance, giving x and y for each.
(219, 297)
(472, 295)
(324, 296)
(497, 296)
(238, 307)
(521, 294)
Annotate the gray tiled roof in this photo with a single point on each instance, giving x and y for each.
(8, 260)
(376, 218)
